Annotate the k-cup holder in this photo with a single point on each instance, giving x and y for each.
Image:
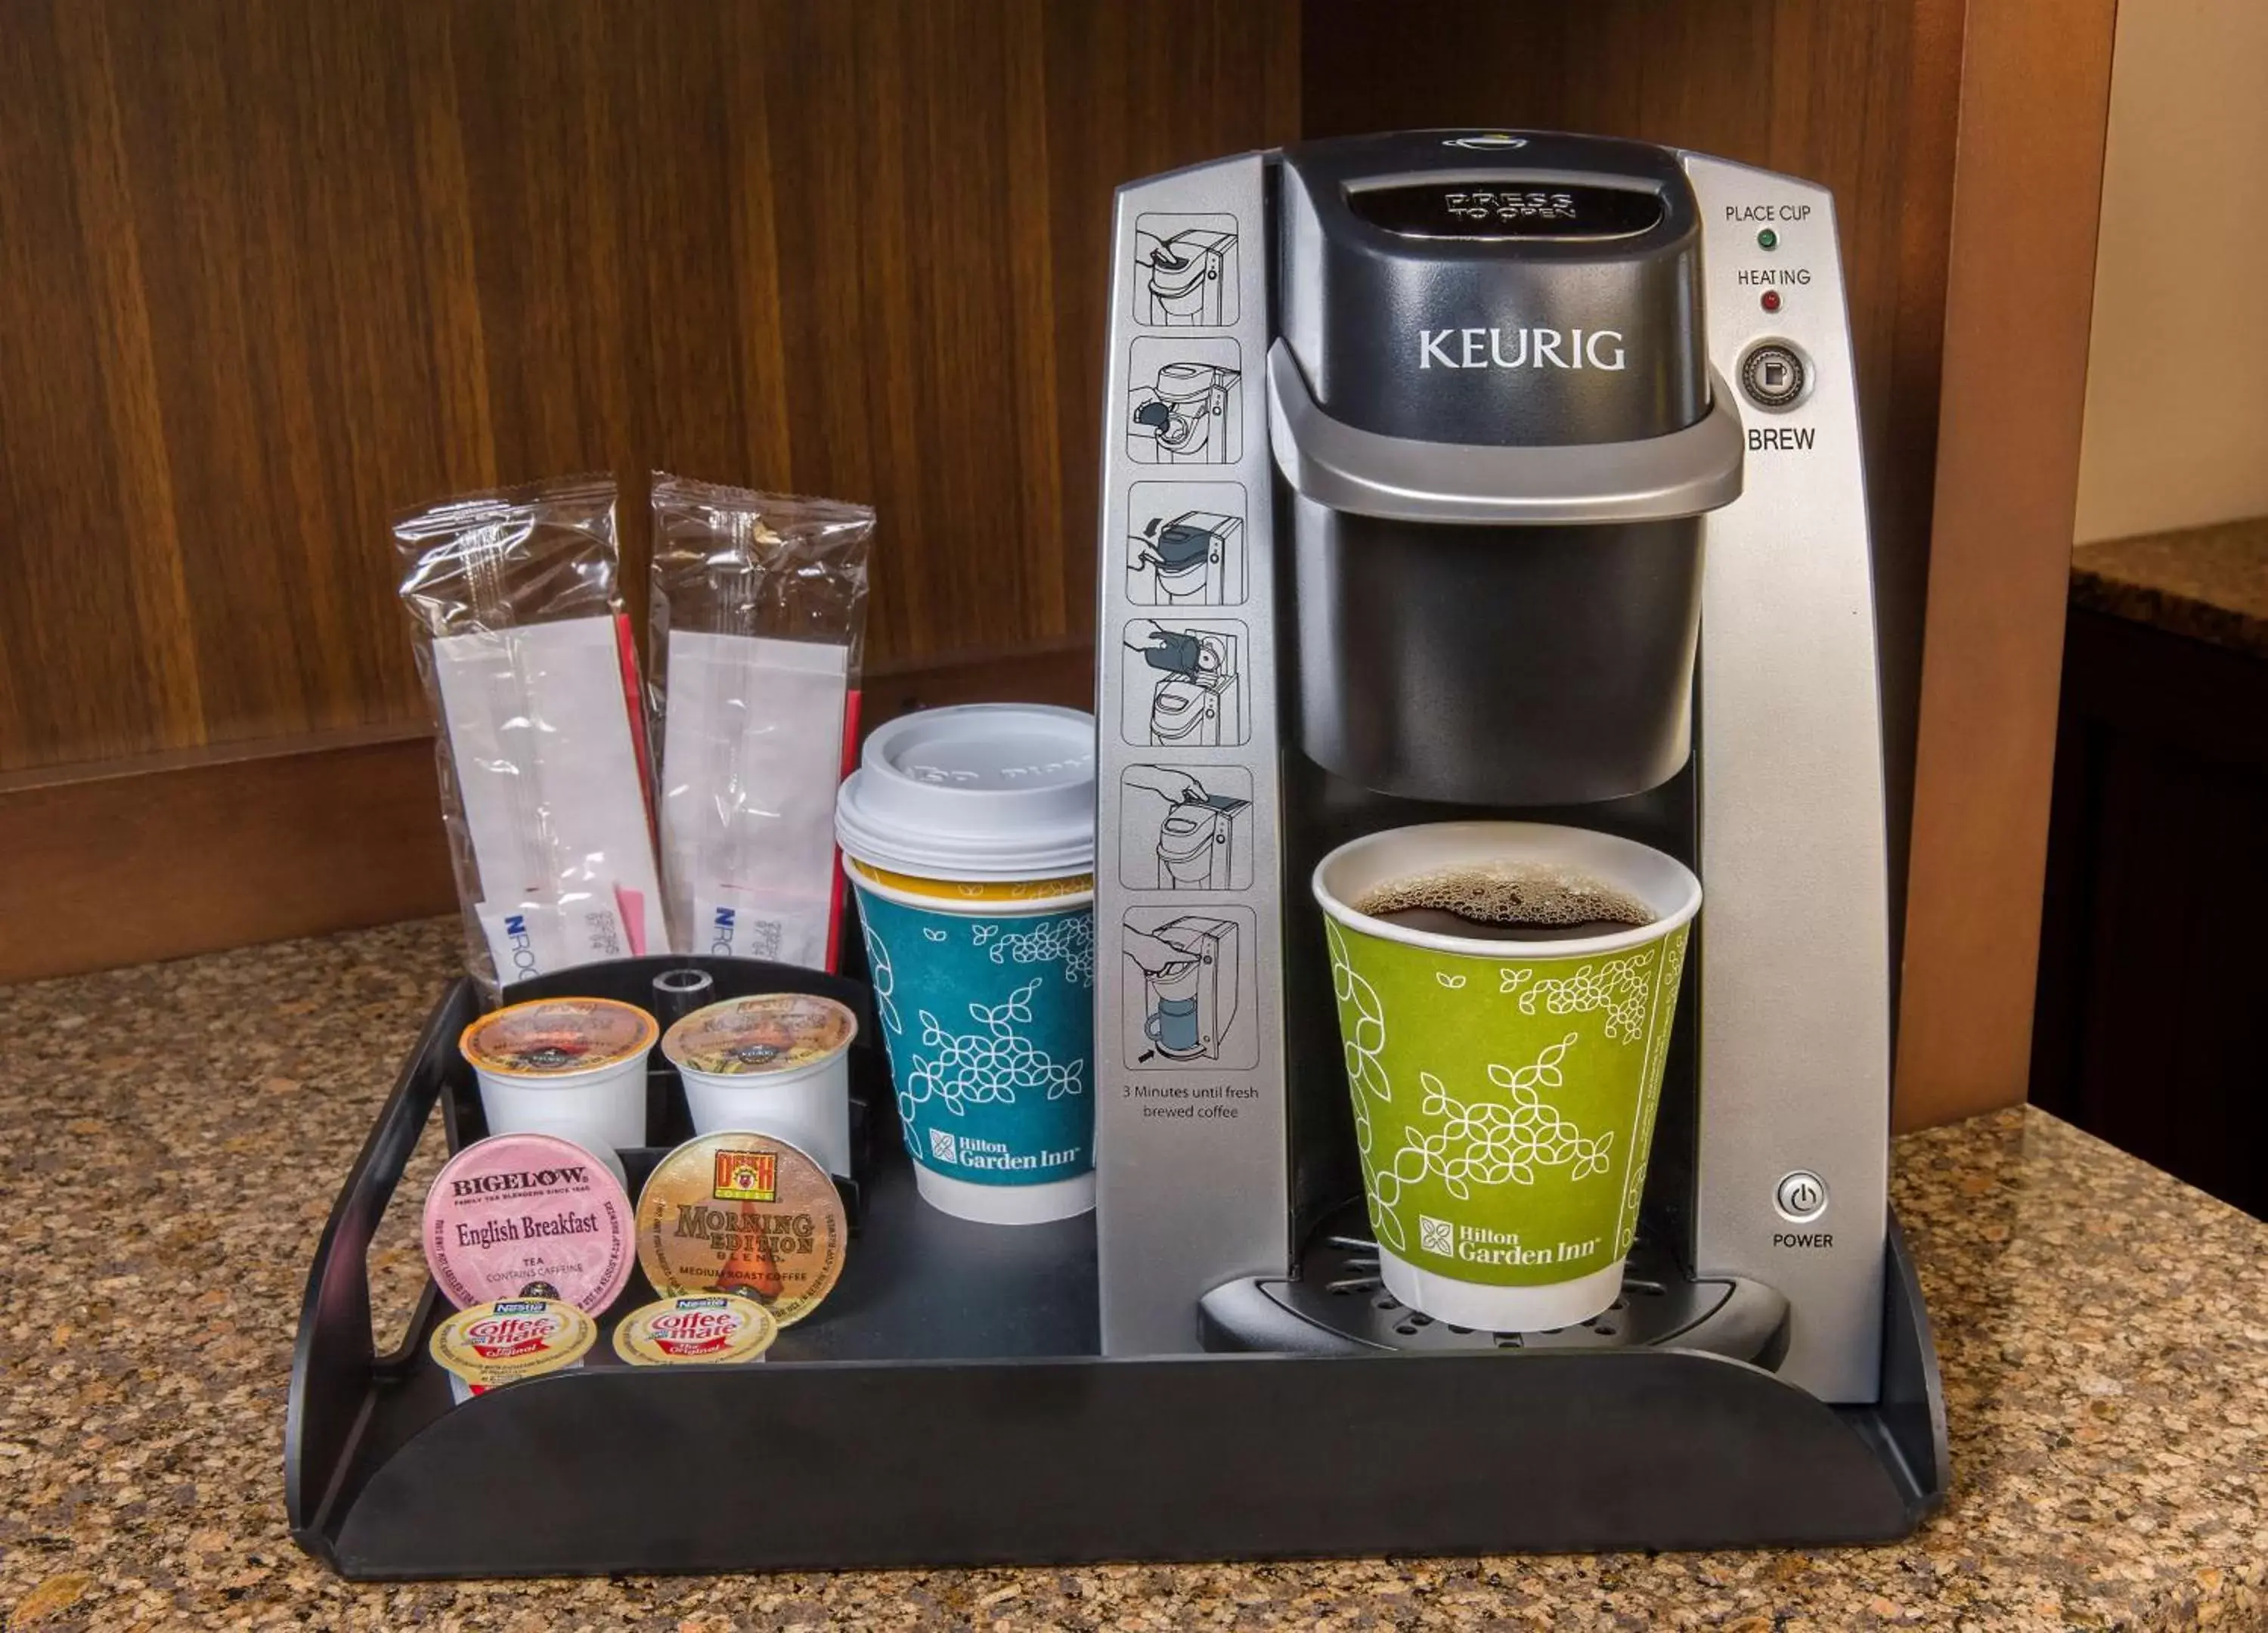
(677, 993)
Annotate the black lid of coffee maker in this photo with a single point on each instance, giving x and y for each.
(1514, 289)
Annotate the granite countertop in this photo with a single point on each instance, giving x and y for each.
(2210, 583)
(174, 1134)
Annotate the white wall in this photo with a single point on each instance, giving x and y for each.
(2176, 431)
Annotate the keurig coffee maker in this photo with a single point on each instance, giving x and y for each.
(1549, 491)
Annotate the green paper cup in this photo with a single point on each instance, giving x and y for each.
(1503, 1091)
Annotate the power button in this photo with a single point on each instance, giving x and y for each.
(1800, 1196)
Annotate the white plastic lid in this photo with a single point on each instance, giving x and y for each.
(978, 792)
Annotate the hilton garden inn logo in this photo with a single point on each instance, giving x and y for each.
(1477, 1244)
(942, 1146)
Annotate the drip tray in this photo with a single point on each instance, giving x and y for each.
(1337, 1306)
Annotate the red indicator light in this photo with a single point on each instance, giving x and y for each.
(1772, 300)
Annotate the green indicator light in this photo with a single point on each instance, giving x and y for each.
(1767, 240)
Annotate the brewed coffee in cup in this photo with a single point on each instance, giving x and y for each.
(1506, 901)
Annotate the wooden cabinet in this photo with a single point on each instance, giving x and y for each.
(2153, 963)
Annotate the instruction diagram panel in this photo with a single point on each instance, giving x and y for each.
(1185, 270)
(1187, 984)
(1185, 827)
(1184, 684)
(1186, 544)
(1186, 403)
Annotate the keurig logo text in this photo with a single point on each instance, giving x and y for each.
(1520, 349)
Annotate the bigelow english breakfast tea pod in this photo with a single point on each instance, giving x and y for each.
(742, 1213)
(515, 1209)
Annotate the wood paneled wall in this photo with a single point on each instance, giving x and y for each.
(272, 270)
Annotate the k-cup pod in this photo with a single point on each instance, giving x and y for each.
(969, 835)
(1505, 1017)
(742, 1213)
(520, 1210)
(698, 1329)
(504, 1341)
(779, 1064)
(572, 1066)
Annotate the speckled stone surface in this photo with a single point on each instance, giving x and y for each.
(173, 1134)
(2210, 583)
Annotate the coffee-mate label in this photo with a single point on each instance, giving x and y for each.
(743, 1213)
(702, 1329)
(508, 1339)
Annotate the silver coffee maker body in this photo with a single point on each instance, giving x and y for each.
(1546, 451)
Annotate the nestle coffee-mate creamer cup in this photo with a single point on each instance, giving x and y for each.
(697, 1329)
(507, 1340)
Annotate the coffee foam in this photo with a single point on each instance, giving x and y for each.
(1534, 894)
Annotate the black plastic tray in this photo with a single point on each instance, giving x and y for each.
(946, 1405)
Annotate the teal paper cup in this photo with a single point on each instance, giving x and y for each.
(969, 835)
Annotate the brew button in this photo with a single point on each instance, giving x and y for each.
(1801, 1196)
(1771, 375)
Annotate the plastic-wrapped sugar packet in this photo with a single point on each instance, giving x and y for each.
(527, 662)
(759, 625)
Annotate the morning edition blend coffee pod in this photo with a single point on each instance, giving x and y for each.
(699, 1329)
(509, 1339)
(514, 1210)
(742, 1213)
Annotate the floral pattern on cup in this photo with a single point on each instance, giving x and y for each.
(988, 1025)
